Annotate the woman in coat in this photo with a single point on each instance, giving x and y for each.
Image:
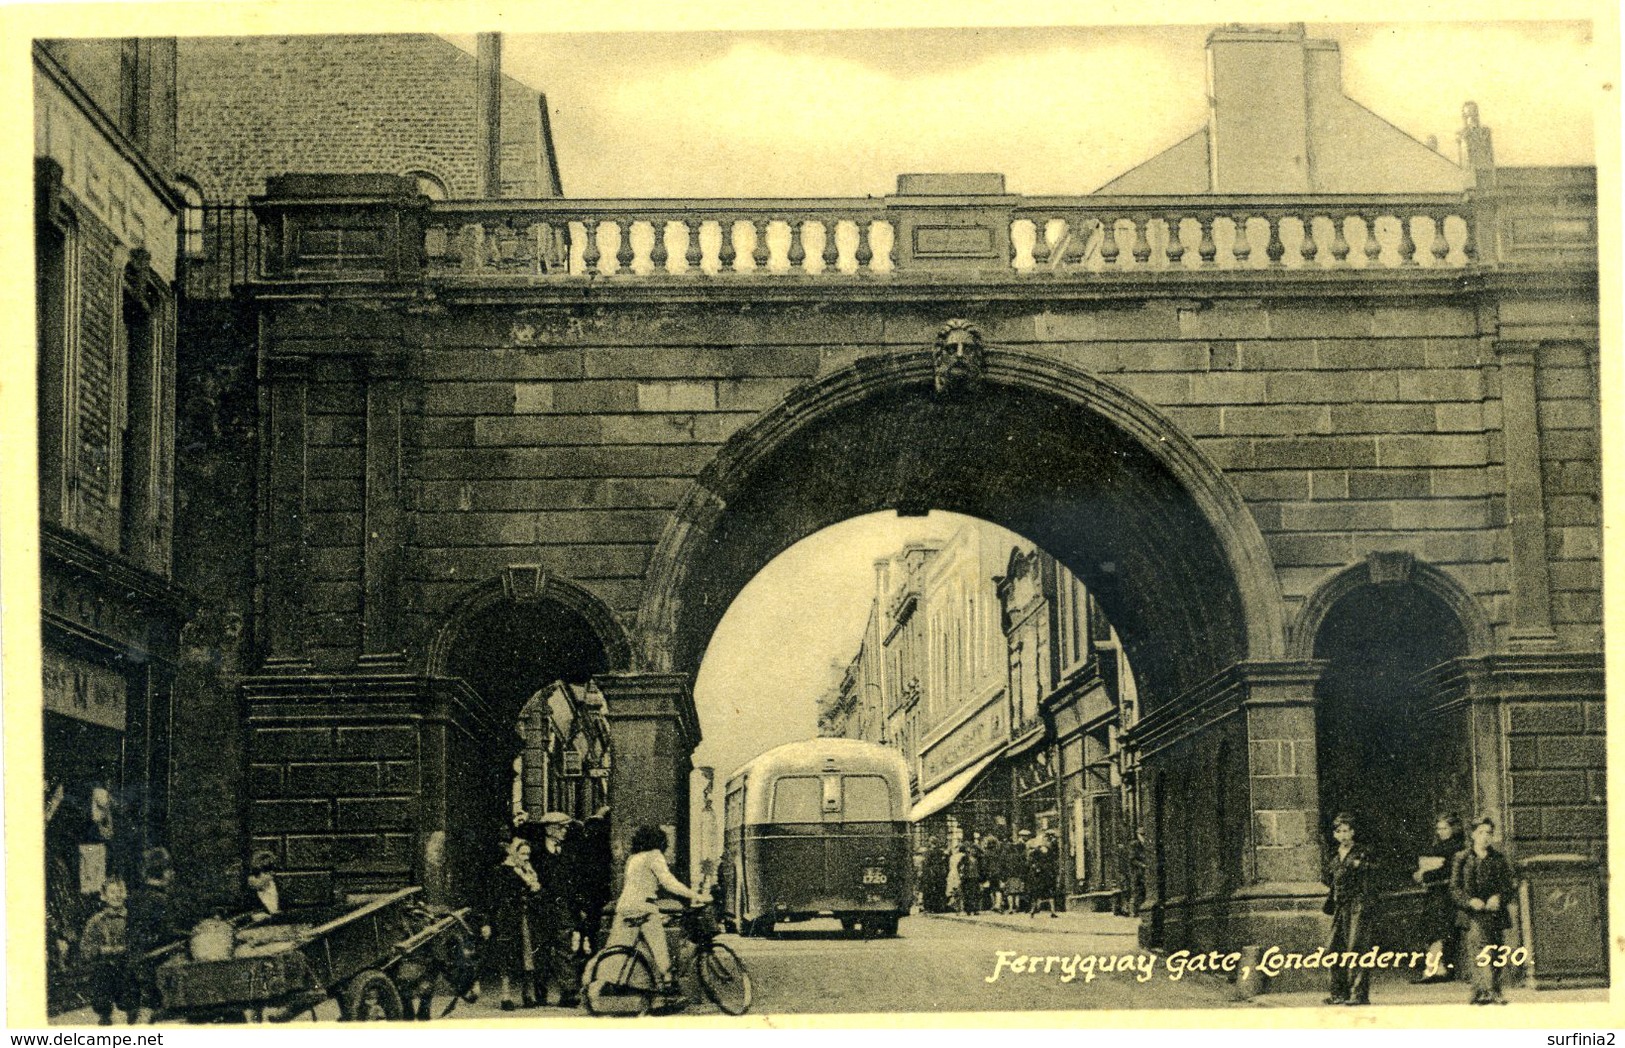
(510, 954)
(1443, 934)
(1481, 885)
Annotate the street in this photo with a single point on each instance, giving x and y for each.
(940, 964)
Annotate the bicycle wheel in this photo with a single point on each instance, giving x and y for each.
(724, 979)
(618, 981)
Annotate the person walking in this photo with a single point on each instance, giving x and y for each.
(1045, 867)
(1137, 866)
(953, 886)
(554, 915)
(970, 879)
(637, 911)
(1351, 874)
(1481, 885)
(155, 922)
(1433, 869)
(934, 877)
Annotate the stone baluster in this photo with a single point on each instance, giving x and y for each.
(1040, 242)
(1242, 249)
(797, 255)
(590, 255)
(1075, 241)
(623, 250)
(1340, 242)
(1373, 246)
(1108, 241)
(526, 256)
(555, 254)
(1207, 250)
(1407, 246)
(759, 254)
(1275, 250)
(1142, 243)
(658, 256)
(1176, 243)
(891, 249)
(1309, 251)
(832, 251)
(865, 253)
(1440, 248)
(726, 252)
(691, 256)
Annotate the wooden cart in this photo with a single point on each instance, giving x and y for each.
(374, 959)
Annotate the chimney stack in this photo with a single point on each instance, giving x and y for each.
(488, 72)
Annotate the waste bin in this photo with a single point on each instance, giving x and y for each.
(1565, 920)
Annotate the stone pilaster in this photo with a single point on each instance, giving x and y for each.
(383, 533)
(653, 731)
(283, 568)
(1526, 504)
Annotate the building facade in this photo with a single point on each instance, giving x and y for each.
(112, 614)
(1004, 687)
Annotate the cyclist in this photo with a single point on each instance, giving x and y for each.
(636, 911)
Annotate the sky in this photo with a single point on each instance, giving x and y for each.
(1057, 110)
(791, 632)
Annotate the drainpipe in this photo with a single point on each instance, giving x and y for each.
(488, 74)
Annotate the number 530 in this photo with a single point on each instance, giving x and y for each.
(1502, 957)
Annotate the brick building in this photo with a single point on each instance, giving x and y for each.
(112, 615)
(407, 104)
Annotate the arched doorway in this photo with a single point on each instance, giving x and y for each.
(1387, 751)
(512, 639)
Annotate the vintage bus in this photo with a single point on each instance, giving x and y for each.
(819, 829)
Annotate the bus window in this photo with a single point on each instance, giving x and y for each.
(868, 798)
(796, 798)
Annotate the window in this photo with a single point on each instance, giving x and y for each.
(136, 448)
(865, 798)
(798, 798)
(191, 219)
(56, 275)
(428, 185)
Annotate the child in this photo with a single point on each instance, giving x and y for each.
(103, 945)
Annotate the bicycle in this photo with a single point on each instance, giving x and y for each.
(621, 979)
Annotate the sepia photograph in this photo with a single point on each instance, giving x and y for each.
(554, 515)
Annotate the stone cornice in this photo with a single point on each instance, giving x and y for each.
(1384, 284)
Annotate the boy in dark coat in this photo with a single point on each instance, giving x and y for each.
(1481, 885)
(104, 944)
(1351, 874)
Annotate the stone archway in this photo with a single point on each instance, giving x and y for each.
(1393, 747)
(1114, 491)
(1095, 475)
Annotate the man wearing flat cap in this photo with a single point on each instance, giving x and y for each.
(554, 913)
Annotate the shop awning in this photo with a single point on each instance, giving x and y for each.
(942, 796)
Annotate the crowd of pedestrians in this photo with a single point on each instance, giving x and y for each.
(988, 873)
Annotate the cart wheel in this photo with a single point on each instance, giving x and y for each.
(370, 997)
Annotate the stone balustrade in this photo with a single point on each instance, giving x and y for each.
(654, 238)
(865, 237)
(983, 235)
(1105, 235)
